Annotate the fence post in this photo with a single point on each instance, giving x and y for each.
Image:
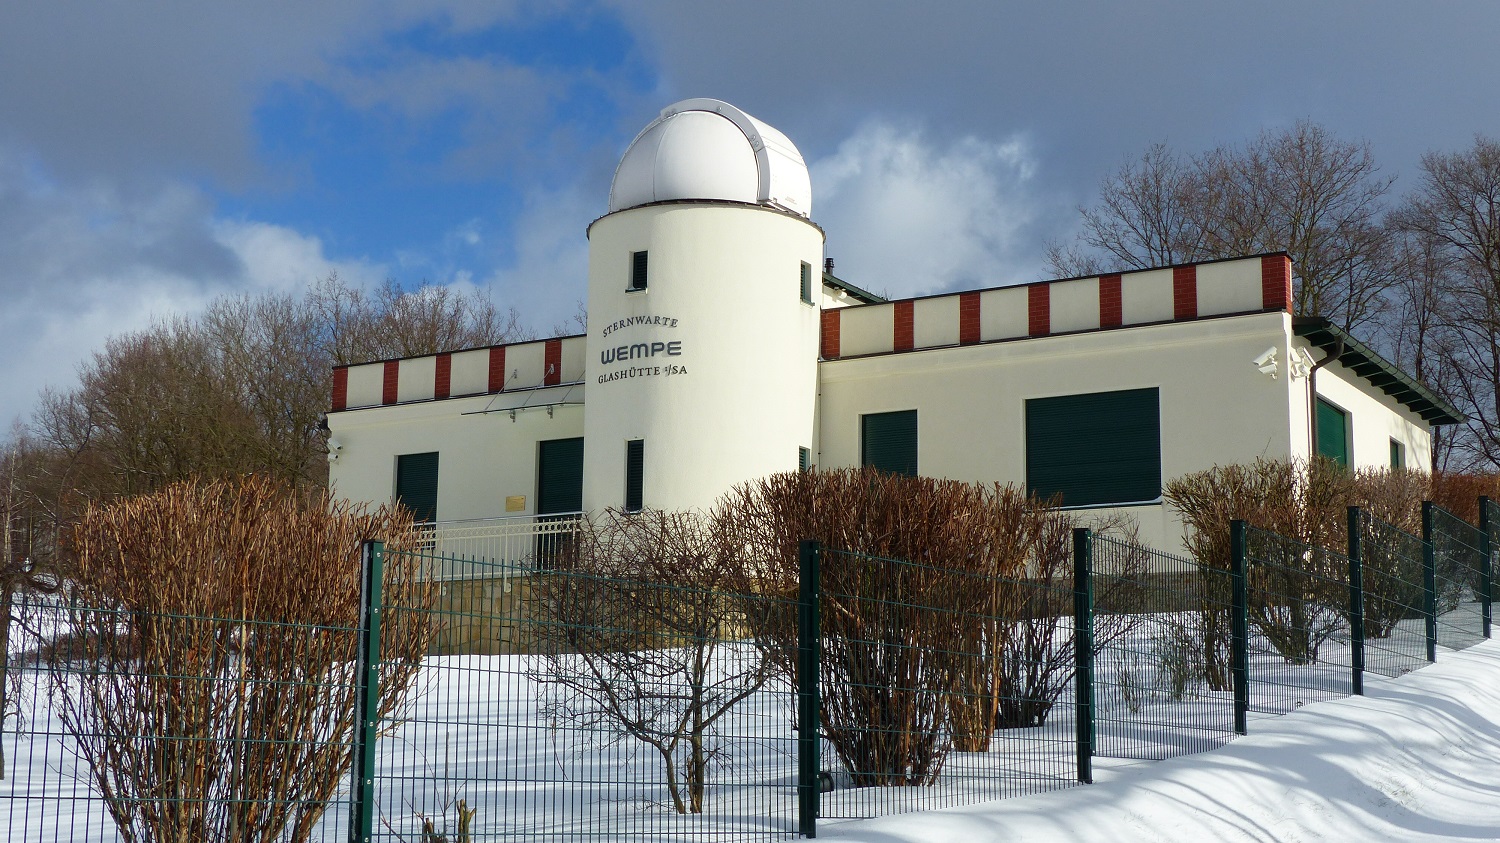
(1486, 565)
(366, 704)
(1356, 601)
(1239, 626)
(1429, 581)
(1083, 650)
(809, 656)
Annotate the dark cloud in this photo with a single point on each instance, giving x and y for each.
(1092, 82)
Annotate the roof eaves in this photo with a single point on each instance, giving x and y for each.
(864, 296)
(1381, 373)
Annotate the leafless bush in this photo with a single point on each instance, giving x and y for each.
(1039, 652)
(641, 613)
(212, 693)
(920, 585)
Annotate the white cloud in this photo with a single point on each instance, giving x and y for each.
(907, 216)
(549, 274)
(79, 264)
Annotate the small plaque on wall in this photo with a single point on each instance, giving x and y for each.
(515, 503)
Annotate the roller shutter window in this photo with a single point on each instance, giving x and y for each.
(888, 442)
(637, 271)
(1398, 456)
(1333, 433)
(417, 485)
(806, 282)
(635, 465)
(559, 476)
(1095, 449)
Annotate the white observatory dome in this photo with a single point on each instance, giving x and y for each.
(707, 149)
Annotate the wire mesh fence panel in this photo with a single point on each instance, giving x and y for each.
(1162, 684)
(123, 723)
(1458, 556)
(1394, 598)
(941, 686)
(570, 705)
(1298, 609)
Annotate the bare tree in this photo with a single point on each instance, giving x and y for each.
(1301, 190)
(1455, 213)
(1149, 214)
(641, 615)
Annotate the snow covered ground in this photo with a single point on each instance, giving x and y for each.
(1416, 759)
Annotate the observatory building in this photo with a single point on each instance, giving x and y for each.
(721, 349)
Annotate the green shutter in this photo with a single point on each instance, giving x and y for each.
(888, 441)
(635, 474)
(1095, 449)
(804, 459)
(807, 282)
(637, 270)
(1333, 433)
(1398, 456)
(559, 476)
(417, 484)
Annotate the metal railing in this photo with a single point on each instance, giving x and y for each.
(517, 543)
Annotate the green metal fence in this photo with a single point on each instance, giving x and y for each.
(127, 723)
(1299, 641)
(1162, 679)
(588, 706)
(561, 704)
(1458, 576)
(1400, 631)
(939, 686)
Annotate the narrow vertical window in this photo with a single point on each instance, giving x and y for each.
(635, 464)
(637, 271)
(804, 457)
(1398, 456)
(807, 282)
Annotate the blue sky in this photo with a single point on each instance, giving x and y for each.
(156, 155)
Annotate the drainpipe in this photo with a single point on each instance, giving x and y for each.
(1312, 398)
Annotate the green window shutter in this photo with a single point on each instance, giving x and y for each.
(1398, 456)
(637, 271)
(888, 441)
(807, 282)
(559, 476)
(1333, 433)
(417, 484)
(1095, 449)
(804, 459)
(635, 471)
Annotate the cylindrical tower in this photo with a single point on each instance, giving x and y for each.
(703, 315)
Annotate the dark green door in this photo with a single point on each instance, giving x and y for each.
(559, 476)
(1333, 433)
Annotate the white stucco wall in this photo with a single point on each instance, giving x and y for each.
(1216, 408)
(482, 457)
(724, 283)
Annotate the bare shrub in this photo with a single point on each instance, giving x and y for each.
(904, 681)
(1289, 597)
(641, 614)
(209, 683)
(1039, 659)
